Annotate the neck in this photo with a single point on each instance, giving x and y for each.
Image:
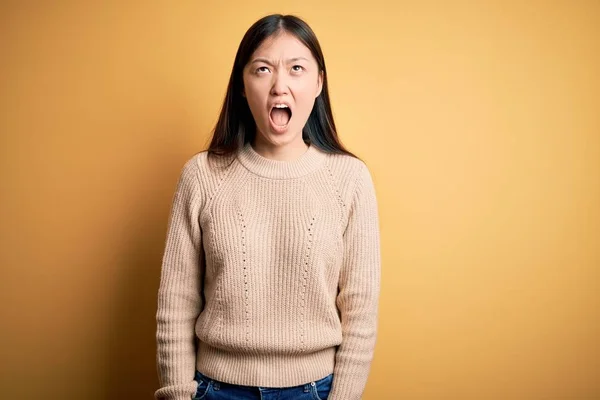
(308, 160)
(280, 152)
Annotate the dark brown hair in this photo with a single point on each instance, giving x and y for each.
(236, 126)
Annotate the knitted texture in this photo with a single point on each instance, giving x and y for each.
(270, 275)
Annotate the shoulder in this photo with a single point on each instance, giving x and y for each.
(206, 172)
(207, 166)
(348, 170)
(346, 164)
(349, 176)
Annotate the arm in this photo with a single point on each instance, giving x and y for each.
(358, 296)
(179, 294)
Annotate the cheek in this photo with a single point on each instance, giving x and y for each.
(305, 91)
(254, 97)
(253, 89)
(303, 87)
(305, 98)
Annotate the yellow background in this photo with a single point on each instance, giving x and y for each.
(478, 119)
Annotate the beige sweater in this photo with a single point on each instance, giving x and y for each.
(270, 275)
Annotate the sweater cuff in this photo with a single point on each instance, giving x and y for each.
(183, 391)
(347, 386)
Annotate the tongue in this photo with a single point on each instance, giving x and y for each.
(280, 116)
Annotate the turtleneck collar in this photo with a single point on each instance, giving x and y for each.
(308, 162)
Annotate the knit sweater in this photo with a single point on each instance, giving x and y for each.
(270, 275)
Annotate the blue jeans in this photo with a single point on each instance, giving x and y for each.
(211, 389)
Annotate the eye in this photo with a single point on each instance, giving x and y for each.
(259, 69)
(298, 66)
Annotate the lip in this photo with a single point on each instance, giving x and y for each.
(271, 105)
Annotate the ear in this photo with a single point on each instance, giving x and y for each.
(319, 84)
(243, 92)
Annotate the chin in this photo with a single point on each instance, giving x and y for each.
(286, 137)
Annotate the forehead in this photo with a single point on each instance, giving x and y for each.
(283, 45)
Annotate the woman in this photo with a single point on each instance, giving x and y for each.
(271, 272)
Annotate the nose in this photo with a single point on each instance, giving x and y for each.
(279, 86)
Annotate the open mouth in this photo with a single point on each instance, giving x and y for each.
(280, 115)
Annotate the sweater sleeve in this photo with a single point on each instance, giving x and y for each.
(179, 293)
(358, 296)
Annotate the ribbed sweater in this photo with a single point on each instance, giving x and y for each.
(270, 275)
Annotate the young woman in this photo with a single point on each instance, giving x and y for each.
(270, 278)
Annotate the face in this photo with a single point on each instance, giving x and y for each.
(282, 70)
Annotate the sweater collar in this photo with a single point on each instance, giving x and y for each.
(308, 162)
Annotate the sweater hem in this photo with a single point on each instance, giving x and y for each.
(264, 370)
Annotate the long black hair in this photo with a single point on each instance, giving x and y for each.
(236, 126)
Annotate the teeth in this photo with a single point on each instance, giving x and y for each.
(281, 106)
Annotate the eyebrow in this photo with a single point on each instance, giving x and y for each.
(266, 61)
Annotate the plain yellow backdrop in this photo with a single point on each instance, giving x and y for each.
(478, 119)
